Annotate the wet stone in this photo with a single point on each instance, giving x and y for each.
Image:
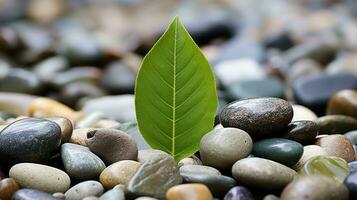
(336, 124)
(303, 132)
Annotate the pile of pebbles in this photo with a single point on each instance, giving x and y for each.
(286, 127)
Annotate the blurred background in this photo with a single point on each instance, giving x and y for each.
(82, 52)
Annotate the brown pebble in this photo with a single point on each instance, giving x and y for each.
(8, 187)
(66, 127)
(79, 136)
(337, 145)
(336, 124)
(194, 191)
(118, 173)
(343, 102)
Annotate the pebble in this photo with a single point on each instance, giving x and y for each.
(343, 65)
(315, 187)
(80, 163)
(66, 127)
(221, 148)
(20, 81)
(84, 189)
(343, 103)
(119, 78)
(314, 91)
(193, 160)
(199, 169)
(310, 151)
(339, 146)
(47, 68)
(31, 194)
(155, 177)
(59, 195)
(352, 136)
(239, 193)
(218, 185)
(15, 103)
(284, 151)
(303, 67)
(262, 173)
(113, 194)
(194, 191)
(302, 113)
(40, 177)
(259, 117)
(332, 167)
(79, 136)
(336, 124)
(271, 197)
(353, 166)
(351, 184)
(76, 74)
(118, 173)
(112, 145)
(45, 107)
(17, 142)
(303, 132)
(149, 154)
(7, 188)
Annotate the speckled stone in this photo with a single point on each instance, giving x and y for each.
(337, 145)
(118, 173)
(259, 117)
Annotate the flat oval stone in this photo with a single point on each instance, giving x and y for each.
(259, 117)
(221, 148)
(80, 163)
(284, 151)
(314, 91)
(218, 185)
(351, 184)
(113, 194)
(84, 189)
(262, 173)
(40, 177)
(112, 145)
(332, 167)
(303, 113)
(310, 151)
(337, 145)
(303, 132)
(8, 187)
(352, 136)
(343, 103)
(29, 140)
(193, 191)
(66, 127)
(315, 187)
(336, 124)
(31, 194)
(199, 169)
(118, 173)
(155, 177)
(239, 193)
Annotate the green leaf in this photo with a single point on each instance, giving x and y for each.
(175, 94)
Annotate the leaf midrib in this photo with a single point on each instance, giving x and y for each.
(174, 95)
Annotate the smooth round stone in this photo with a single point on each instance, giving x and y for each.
(339, 146)
(119, 107)
(310, 151)
(29, 140)
(84, 189)
(256, 88)
(262, 173)
(315, 187)
(239, 193)
(343, 103)
(284, 151)
(221, 148)
(314, 91)
(45, 107)
(199, 169)
(193, 160)
(148, 154)
(112, 145)
(336, 124)
(332, 167)
(304, 132)
(218, 185)
(7, 188)
(351, 184)
(113, 194)
(119, 78)
(352, 136)
(260, 117)
(21, 81)
(302, 113)
(79, 136)
(155, 177)
(31, 194)
(40, 177)
(118, 173)
(353, 166)
(47, 69)
(80, 163)
(193, 191)
(66, 127)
